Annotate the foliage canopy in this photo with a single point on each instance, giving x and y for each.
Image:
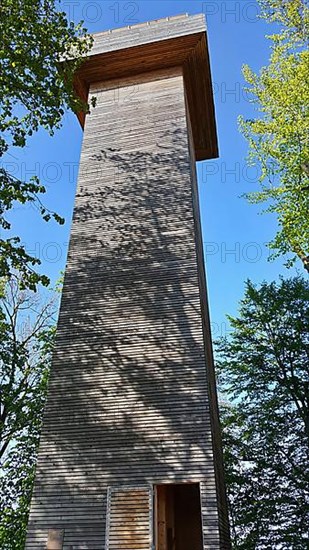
(27, 328)
(40, 51)
(278, 136)
(264, 382)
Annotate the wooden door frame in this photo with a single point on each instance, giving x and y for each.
(155, 507)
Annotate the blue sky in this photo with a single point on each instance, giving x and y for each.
(234, 232)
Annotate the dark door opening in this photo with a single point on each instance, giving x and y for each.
(178, 518)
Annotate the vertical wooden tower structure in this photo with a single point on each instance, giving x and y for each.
(130, 455)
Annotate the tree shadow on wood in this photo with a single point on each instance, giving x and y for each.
(127, 398)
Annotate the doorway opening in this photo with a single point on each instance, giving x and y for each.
(178, 517)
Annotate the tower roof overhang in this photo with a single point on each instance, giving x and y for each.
(164, 43)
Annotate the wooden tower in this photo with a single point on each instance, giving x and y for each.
(130, 453)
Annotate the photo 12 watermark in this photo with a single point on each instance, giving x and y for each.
(53, 172)
(50, 252)
(230, 172)
(92, 12)
(230, 11)
(236, 252)
(231, 92)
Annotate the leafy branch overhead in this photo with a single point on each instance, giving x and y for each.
(279, 135)
(40, 52)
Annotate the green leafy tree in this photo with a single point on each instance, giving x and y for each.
(27, 328)
(278, 135)
(39, 52)
(264, 383)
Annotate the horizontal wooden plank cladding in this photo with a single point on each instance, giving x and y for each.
(163, 44)
(129, 519)
(55, 539)
(128, 396)
(152, 31)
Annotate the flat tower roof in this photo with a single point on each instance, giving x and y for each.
(162, 43)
